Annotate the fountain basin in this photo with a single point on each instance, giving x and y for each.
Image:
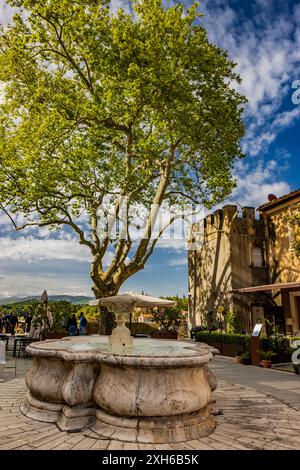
(158, 391)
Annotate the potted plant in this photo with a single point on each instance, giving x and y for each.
(238, 359)
(246, 358)
(266, 358)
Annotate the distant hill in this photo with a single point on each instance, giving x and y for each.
(74, 299)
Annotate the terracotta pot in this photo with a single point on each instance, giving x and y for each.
(238, 359)
(266, 363)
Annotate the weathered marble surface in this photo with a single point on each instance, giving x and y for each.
(122, 305)
(131, 299)
(159, 397)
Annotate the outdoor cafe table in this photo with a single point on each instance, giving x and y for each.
(19, 339)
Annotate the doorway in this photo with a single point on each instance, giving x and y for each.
(298, 309)
(295, 310)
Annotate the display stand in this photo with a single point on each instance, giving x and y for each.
(254, 344)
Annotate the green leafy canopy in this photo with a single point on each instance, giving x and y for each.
(97, 105)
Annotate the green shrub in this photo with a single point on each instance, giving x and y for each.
(246, 358)
(277, 346)
(216, 337)
(280, 344)
(267, 355)
(266, 343)
(294, 338)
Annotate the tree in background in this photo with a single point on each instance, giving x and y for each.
(181, 302)
(108, 117)
(91, 313)
(169, 319)
(61, 311)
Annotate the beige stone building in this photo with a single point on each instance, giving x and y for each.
(237, 260)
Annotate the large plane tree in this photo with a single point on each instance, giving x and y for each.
(107, 115)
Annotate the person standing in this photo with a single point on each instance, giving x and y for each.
(7, 323)
(14, 323)
(82, 324)
(72, 326)
(28, 320)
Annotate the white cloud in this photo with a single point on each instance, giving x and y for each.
(25, 284)
(266, 48)
(6, 12)
(258, 140)
(286, 118)
(254, 185)
(178, 261)
(31, 249)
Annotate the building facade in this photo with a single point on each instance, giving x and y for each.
(236, 261)
(283, 264)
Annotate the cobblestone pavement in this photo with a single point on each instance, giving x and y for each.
(250, 420)
(284, 386)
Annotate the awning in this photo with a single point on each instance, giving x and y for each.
(268, 287)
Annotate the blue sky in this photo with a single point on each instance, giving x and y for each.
(263, 38)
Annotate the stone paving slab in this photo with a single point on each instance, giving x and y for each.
(284, 386)
(249, 420)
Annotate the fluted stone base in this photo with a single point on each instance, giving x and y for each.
(67, 418)
(76, 418)
(41, 410)
(154, 430)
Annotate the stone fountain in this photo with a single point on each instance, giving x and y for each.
(134, 389)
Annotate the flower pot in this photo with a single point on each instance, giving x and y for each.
(266, 363)
(238, 359)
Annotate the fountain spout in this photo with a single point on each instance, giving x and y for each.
(122, 305)
(120, 340)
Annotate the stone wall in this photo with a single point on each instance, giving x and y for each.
(284, 264)
(221, 259)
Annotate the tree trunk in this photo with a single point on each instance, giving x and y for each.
(106, 321)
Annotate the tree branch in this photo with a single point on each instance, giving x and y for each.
(9, 216)
(157, 201)
(152, 246)
(187, 196)
(66, 54)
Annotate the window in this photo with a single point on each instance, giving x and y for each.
(257, 257)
